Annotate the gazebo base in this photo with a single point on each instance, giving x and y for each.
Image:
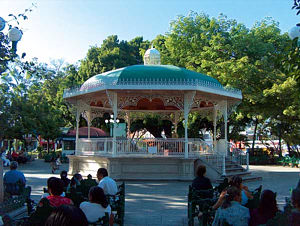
(135, 167)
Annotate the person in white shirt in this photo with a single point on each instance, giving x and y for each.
(108, 185)
(97, 205)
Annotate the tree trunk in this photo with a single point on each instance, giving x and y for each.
(279, 137)
(48, 145)
(289, 147)
(254, 134)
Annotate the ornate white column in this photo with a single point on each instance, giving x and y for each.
(215, 127)
(88, 115)
(113, 100)
(128, 124)
(224, 109)
(176, 118)
(188, 101)
(115, 109)
(77, 130)
(225, 125)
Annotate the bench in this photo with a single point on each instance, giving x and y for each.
(254, 203)
(201, 201)
(104, 221)
(117, 203)
(17, 206)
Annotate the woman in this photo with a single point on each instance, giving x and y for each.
(67, 215)
(55, 189)
(201, 182)
(246, 194)
(231, 211)
(97, 205)
(267, 209)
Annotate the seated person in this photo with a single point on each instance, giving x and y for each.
(67, 215)
(97, 205)
(231, 211)
(15, 156)
(294, 218)
(55, 189)
(75, 182)
(246, 194)
(46, 194)
(201, 182)
(267, 209)
(6, 161)
(12, 178)
(64, 178)
(22, 157)
(108, 185)
(87, 184)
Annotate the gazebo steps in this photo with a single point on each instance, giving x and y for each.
(234, 169)
(231, 174)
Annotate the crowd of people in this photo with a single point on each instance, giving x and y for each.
(89, 211)
(65, 212)
(231, 204)
(230, 207)
(8, 156)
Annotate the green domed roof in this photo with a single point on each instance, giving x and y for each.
(153, 77)
(148, 73)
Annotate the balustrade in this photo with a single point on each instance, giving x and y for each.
(154, 147)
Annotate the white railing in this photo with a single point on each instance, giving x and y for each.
(158, 147)
(239, 157)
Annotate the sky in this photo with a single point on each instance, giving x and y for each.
(65, 29)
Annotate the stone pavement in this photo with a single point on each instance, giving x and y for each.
(165, 203)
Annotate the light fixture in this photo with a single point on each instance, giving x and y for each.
(14, 34)
(117, 120)
(111, 120)
(106, 121)
(111, 116)
(2, 23)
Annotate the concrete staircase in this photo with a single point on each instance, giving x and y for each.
(215, 171)
(234, 169)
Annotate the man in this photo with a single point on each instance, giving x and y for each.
(108, 185)
(12, 178)
(64, 178)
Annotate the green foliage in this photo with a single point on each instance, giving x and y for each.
(111, 55)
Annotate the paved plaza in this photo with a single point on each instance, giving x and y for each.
(165, 203)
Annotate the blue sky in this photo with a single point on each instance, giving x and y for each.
(65, 29)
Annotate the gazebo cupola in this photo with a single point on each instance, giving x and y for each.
(152, 57)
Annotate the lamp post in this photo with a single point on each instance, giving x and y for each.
(111, 123)
(14, 34)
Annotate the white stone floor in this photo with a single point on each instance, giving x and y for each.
(165, 203)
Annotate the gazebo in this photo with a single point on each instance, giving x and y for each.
(173, 92)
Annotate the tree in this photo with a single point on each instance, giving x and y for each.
(111, 55)
(228, 51)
